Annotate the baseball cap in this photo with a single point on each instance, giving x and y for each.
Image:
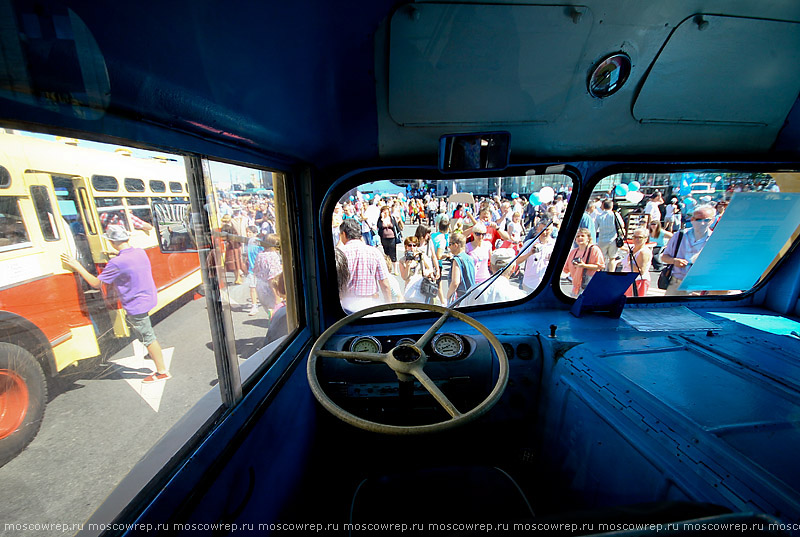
(117, 233)
(502, 257)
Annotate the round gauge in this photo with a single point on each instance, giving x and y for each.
(365, 344)
(405, 341)
(448, 345)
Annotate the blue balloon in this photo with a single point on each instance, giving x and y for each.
(534, 198)
(352, 198)
(633, 186)
(514, 196)
(621, 190)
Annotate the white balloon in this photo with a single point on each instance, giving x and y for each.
(547, 194)
(634, 196)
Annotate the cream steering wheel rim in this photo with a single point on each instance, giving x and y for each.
(408, 370)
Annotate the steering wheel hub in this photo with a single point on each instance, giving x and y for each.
(407, 354)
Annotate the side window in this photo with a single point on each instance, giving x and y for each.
(12, 227)
(102, 354)
(111, 211)
(159, 187)
(690, 223)
(141, 215)
(134, 185)
(44, 212)
(431, 241)
(105, 183)
(83, 199)
(5, 178)
(254, 250)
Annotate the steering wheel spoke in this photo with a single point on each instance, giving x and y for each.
(343, 355)
(437, 393)
(428, 335)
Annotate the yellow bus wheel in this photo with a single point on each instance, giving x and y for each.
(23, 395)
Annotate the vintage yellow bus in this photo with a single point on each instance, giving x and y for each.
(57, 197)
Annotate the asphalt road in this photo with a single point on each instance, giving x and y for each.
(100, 419)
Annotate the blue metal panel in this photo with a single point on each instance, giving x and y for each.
(684, 417)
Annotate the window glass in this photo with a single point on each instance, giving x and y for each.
(690, 221)
(254, 246)
(111, 212)
(105, 183)
(158, 186)
(44, 212)
(12, 227)
(134, 185)
(89, 405)
(175, 187)
(141, 215)
(85, 206)
(5, 178)
(398, 235)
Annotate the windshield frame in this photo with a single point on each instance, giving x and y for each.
(332, 309)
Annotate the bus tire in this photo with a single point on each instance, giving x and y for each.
(23, 396)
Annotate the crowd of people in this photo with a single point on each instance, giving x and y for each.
(455, 246)
(671, 233)
(251, 250)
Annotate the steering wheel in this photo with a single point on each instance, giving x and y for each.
(408, 362)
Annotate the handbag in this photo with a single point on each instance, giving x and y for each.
(586, 277)
(428, 288)
(398, 230)
(620, 240)
(665, 276)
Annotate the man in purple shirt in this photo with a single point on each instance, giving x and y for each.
(132, 275)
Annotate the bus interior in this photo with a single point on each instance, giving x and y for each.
(566, 415)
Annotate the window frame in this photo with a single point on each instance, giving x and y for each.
(333, 310)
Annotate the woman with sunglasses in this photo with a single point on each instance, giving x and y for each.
(637, 259)
(480, 251)
(583, 261)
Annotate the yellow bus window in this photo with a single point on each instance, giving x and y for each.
(12, 228)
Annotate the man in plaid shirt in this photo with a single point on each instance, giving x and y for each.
(368, 273)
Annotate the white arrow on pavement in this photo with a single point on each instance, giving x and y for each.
(151, 393)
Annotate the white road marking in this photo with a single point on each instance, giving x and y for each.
(151, 393)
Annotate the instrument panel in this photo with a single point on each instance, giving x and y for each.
(442, 347)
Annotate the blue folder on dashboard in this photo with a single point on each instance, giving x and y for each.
(605, 293)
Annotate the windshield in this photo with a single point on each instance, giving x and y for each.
(695, 233)
(431, 241)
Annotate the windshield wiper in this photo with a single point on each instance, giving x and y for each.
(484, 285)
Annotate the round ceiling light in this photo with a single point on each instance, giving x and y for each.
(609, 75)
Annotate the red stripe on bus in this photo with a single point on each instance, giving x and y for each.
(53, 304)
